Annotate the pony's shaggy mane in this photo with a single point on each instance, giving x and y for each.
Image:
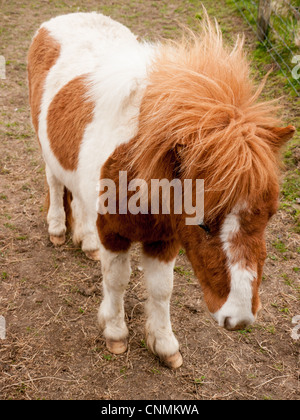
(201, 96)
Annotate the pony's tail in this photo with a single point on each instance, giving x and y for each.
(68, 209)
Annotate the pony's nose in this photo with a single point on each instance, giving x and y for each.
(231, 325)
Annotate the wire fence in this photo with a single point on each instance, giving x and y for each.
(280, 35)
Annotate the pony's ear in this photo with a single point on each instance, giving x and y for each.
(178, 149)
(282, 136)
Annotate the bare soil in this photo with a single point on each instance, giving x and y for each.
(49, 297)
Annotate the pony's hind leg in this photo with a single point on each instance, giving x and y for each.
(116, 275)
(90, 243)
(85, 229)
(56, 216)
(160, 337)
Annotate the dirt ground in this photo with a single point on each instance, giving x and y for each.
(49, 297)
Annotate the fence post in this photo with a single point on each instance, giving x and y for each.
(263, 19)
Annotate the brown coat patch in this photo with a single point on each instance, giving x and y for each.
(43, 54)
(68, 116)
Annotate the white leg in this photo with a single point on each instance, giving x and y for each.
(160, 337)
(78, 221)
(90, 241)
(116, 275)
(85, 229)
(56, 217)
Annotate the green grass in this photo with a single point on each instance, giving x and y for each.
(291, 187)
(280, 246)
(246, 331)
(290, 191)
(155, 371)
(271, 329)
(107, 357)
(199, 381)
(281, 38)
(10, 226)
(183, 272)
(22, 238)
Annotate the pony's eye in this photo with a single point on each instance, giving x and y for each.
(205, 227)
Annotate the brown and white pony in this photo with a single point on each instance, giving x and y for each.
(103, 103)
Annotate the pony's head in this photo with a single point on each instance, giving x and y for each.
(228, 258)
(228, 249)
(201, 104)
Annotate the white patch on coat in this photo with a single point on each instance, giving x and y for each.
(238, 307)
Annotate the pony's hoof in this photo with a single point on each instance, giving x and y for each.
(116, 347)
(173, 362)
(93, 255)
(58, 240)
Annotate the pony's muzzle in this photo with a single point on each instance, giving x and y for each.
(234, 323)
(230, 324)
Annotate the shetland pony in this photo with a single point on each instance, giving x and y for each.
(101, 103)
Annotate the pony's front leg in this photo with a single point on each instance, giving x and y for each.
(116, 275)
(160, 337)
